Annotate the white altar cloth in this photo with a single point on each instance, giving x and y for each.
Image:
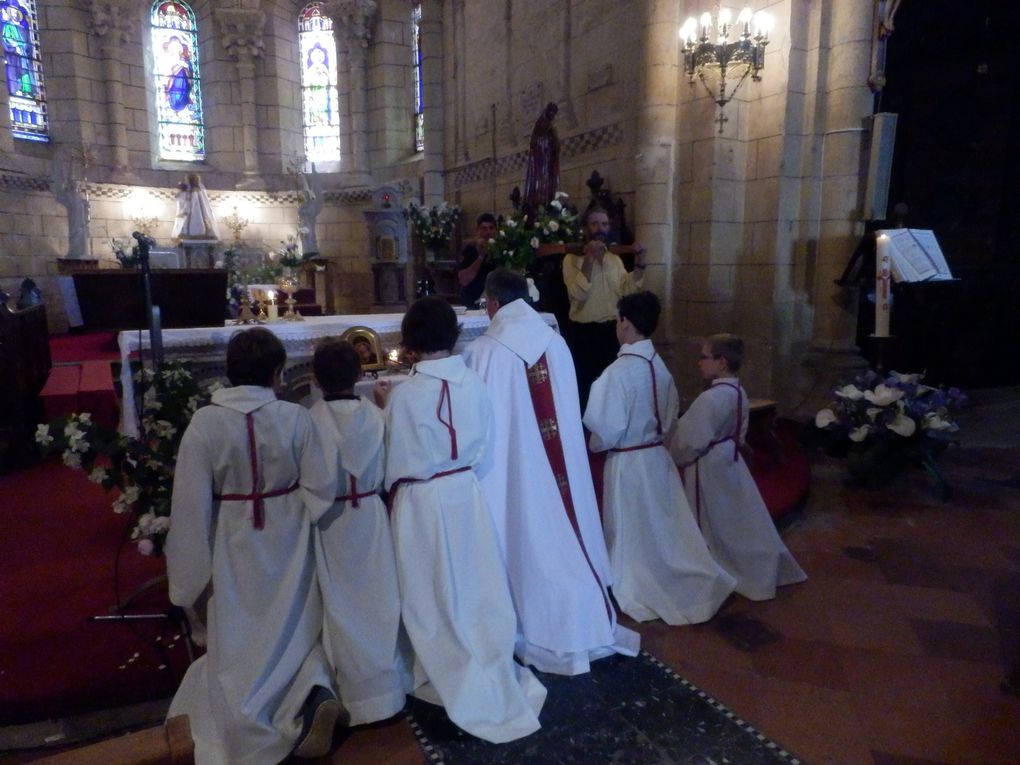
(205, 348)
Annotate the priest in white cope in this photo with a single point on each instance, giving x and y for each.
(538, 487)
(354, 546)
(249, 483)
(661, 566)
(726, 502)
(455, 599)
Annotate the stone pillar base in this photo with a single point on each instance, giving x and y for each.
(819, 371)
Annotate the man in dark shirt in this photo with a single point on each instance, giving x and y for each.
(474, 260)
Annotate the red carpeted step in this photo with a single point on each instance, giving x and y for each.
(86, 346)
(782, 475)
(97, 395)
(59, 395)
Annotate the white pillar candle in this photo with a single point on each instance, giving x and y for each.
(883, 285)
(272, 311)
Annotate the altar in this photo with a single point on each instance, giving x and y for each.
(205, 349)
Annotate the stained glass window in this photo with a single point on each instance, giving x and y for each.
(177, 81)
(419, 114)
(22, 65)
(321, 109)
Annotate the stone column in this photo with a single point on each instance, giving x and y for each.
(112, 22)
(655, 150)
(833, 356)
(432, 85)
(352, 26)
(241, 34)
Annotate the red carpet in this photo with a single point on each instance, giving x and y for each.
(57, 551)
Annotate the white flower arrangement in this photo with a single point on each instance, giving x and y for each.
(433, 225)
(141, 469)
(884, 422)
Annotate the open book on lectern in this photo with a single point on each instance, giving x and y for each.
(915, 255)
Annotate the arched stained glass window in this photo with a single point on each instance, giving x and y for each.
(419, 91)
(321, 108)
(19, 28)
(177, 81)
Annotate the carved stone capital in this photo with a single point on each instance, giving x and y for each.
(114, 18)
(241, 31)
(354, 18)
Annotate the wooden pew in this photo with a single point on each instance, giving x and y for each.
(24, 366)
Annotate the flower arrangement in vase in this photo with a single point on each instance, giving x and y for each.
(884, 423)
(433, 226)
(518, 238)
(140, 468)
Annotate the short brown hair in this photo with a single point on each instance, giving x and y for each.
(254, 356)
(729, 347)
(336, 365)
(429, 325)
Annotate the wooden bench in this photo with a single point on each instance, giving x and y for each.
(24, 365)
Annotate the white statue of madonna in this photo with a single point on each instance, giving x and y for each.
(194, 218)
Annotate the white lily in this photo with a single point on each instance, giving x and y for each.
(934, 421)
(851, 392)
(859, 433)
(910, 379)
(824, 418)
(873, 412)
(903, 425)
(883, 395)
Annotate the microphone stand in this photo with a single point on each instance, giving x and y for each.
(152, 314)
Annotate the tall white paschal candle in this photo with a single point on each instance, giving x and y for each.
(883, 285)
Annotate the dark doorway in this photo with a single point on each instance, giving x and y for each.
(953, 79)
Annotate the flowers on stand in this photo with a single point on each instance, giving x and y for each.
(518, 238)
(128, 258)
(433, 225)
(885, 422)
(141, 468)
(290, 255)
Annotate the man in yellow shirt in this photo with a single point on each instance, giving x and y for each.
(596, 280)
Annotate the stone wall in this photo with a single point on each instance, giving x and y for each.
(745, 229)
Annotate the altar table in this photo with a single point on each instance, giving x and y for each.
(205, 349)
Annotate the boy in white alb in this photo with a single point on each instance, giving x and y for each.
(455, 598)
(249, 483)
(354, 547)
(661, 566)
(726, 502)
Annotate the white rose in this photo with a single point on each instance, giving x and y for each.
(883, 395)
(42, 435)
(554, 226)
(534, 242)
(824, 418)
(533, 291)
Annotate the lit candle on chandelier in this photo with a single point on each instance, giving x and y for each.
(272, 311)
(883, 283)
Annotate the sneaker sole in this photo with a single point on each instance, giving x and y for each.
(319, 739)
